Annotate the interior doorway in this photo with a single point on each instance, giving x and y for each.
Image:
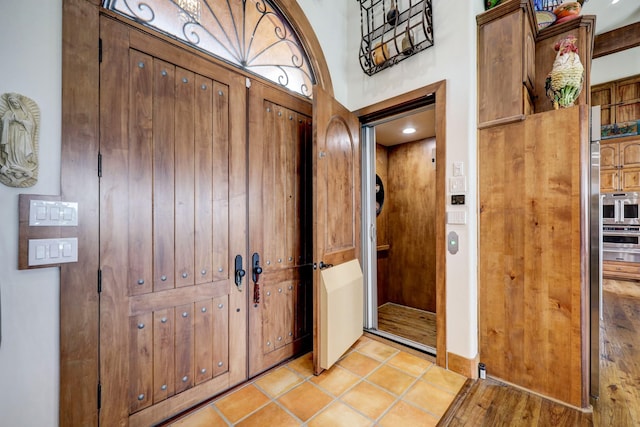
(400, 208)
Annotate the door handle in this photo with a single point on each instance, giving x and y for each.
(256, 271)
(323, 265)
(240, 273)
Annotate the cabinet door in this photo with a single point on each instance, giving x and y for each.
(630, 179)
(609, 181)
(627, 100)
(500, 70)
(630, 154)
(609, 156)
(602, 95)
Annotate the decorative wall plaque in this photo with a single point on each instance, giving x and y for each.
(19, 129)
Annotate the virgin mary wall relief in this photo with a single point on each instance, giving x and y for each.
(19, 128)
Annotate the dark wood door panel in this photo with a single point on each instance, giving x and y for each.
(172, 219)
(279, 225)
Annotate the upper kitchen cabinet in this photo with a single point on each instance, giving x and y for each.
(620, 165)
(514, 59)
(506, 62)
(582, 28)
(619, 100)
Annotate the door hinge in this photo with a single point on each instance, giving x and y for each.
(99, 281)
(99, 397)
(99, 165)
(100, 50)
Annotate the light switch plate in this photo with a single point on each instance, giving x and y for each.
(457, 184)
(53, 213)
(53, 251)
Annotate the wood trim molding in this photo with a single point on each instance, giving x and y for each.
(462, 365)
(79, 183)
(439, 89)
(617, 40)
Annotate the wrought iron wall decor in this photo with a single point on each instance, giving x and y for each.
(252, 35)
(393, 30)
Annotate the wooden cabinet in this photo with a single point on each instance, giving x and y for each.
(530, 280)
(514, 59)
(506, 61)
(582, 28)
(620, 165)
(619, 100)
(532, 269)
(602, 95)
(621, 270)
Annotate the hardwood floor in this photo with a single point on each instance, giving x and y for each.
(407, 322)
(619, 403)
(491, 403)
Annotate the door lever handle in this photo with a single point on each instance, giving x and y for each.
(256, 271)
(323, 265)
(240, 273)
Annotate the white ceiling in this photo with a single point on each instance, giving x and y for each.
(608, 17)
(611, 16)
(390, 133)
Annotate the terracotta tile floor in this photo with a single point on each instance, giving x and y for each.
(373, 384)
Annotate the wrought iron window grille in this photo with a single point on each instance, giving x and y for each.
(391, 33)
(253, 35)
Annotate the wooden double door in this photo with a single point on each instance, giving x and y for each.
(205, 225)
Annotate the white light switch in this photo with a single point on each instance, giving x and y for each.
(53, 213)
(40, 251)
(67, 250)
(53, 251)
(457, 184)
(41, 213)
(458, 169)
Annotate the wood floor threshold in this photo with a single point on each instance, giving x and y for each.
(455, 406)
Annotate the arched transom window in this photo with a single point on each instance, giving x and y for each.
(250, 34)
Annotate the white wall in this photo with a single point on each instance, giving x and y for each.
(31, 52)
(451, 58)
(329, 19)
(615, 66)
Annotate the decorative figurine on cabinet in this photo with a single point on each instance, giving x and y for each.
(564, 82)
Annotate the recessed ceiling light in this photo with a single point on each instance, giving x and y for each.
(614, 1)
(408, 130)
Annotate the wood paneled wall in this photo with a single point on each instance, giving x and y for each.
(410, 196)
(531, 262)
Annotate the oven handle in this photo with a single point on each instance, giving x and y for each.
(618, 211)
